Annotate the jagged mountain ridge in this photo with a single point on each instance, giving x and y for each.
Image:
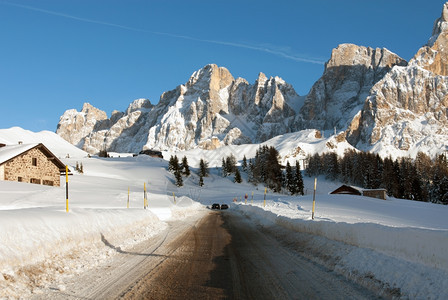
(381, 102)
(210, 110)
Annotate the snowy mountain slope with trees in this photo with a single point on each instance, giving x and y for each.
(400, 243)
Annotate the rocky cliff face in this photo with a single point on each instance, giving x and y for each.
(210, 110)
(214, 109)
(408, 108)
(348, 78)
(91, 130)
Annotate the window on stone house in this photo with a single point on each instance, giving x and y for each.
(19, 179)
(47, 182)
(34, 161)
(35, 180)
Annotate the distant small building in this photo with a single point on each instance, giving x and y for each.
(375, 193)
(152, 153)
(350, 190)
(32, 163)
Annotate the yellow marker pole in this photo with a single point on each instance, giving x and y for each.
(66, 188)
(245, 198)
(252, 199)
(314, 198)
(264, 201)
(144, 195)
(174, 197)
(128, 198)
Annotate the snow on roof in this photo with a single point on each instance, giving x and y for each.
(11, 151)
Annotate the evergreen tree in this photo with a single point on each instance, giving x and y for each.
(230, 164)
(274, 174)
(201, 180)
(238, 178)
(178, 176)
(250, 172)
(224, 168)
(289, 180)
(173, 162)
(298, 180)
(185, 167)
(203, 168)
(244, 164)
(81, 168)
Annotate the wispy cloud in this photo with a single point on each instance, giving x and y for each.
(277, 51)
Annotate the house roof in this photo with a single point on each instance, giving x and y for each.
(347, 189)
(12, 151)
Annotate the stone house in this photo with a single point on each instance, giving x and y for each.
(32, 163)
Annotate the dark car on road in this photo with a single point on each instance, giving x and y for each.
(224, 206)
(215, 206)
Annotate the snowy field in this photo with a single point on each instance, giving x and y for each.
(398, 242)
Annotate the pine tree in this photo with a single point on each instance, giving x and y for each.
(244, 164)
(203, 168)
(289, 180)
(224, 168)
(178, 176)
(250, 172)
(230, 164)
(81, 169)
(171, 164)
(201, 181)
(238, 178)
(185, 167)
(298, 179)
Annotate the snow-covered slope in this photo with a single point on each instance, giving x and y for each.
(292, 147)
(60, 147)
(41, 244)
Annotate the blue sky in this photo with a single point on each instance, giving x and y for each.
(57, 54)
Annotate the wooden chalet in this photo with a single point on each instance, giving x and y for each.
(350, 190)
(32, 163)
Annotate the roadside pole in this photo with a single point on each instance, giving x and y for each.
(174, 197)
(252, 199)
(144, 196)
(128, 199)
(66, 188)
(314, 198)
(264, 201)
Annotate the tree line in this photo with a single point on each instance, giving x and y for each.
(420, 179)
(183, 169)
(266, 169)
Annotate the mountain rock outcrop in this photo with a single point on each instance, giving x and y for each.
(210, 110)
(348, 78)
(408, 109)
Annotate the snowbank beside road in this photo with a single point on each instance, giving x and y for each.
(410, 260)
(414, 244)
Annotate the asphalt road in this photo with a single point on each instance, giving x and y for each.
(221, 255)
